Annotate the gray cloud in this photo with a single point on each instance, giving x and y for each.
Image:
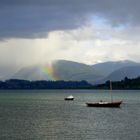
(35, 18)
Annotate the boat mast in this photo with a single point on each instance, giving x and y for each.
(111, 91)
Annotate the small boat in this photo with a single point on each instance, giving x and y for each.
(110, 104)
(69, 98)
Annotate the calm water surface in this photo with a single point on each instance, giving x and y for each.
(44, 115)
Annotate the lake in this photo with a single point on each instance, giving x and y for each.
(44, 115)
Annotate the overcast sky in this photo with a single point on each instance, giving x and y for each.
(87, 31)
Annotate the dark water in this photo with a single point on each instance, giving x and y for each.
(44, 115)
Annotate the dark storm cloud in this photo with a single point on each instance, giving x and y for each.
(35, 18)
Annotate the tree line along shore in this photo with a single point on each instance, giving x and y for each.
(125, 84)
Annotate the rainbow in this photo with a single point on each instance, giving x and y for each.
(49, 72)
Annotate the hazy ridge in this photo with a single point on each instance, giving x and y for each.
(69, 70)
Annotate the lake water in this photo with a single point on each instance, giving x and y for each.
(44, 115)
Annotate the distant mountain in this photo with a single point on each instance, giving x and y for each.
(107, 68)
(30, 73)
(62, 69)
(7, 71)
(69, 70)
(129, 71)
